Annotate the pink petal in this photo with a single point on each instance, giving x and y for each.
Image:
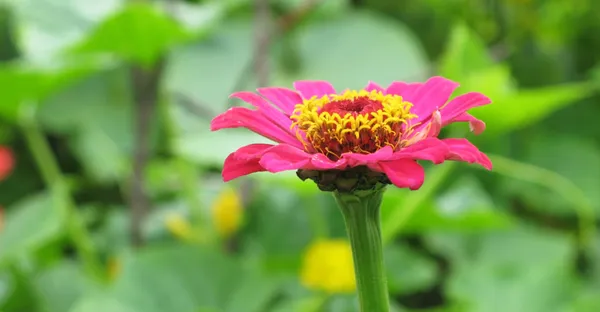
(283, 98)
(477, 126)
(283, 121)
(244, 161)
(462, 103)
(252, 151)
(406, 90)
(356, 159)
(373, 86)
(234, 168)
(463, 150)
(310, 88)
(432, 149)
(284, 157)
(404, 173)
(431, 96)
(255, 121)
(321, 162)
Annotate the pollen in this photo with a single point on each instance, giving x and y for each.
(355, 121)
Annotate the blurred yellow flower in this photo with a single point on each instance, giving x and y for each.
(179, 226)
(227, 212)
(113, 268)
(328, 266)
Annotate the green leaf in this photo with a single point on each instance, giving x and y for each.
(253, 293)
(139, 32)
(58, 295)
(181, 278)
(526, 107)
(48, 27)
(464, 207)
(29, 225)
(275, 212)
(17, 292)
(407, 270)
(574, 158)
(100, 135)
(203, 75)
(198, 19)
(465, 53)
(587, 300)
(524, 270)
(356, 47)
(23, 82)
(349, 303)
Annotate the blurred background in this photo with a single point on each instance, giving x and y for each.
(111, 192)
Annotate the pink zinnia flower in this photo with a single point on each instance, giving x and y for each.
(375, 133)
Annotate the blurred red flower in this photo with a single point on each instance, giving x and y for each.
(6, 162)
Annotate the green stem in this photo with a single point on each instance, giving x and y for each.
(55, 181)
(361, 213)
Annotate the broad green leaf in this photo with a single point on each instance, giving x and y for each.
(464, 207)
(203, 75)
(206, 72)
(61, 286)
(100, 135)
(48, 27)
(524, 270)
(326, 9)
(576, 159)
(408, 271)
(17, 292)
(180, 278)
(464, 53)
(98, 303)
(308, 304)
(587, 300)
(24, 82)
(139, 32)
(526, 107)
(356, 47)
(29, 225)
(278, 228)
(349, 303)
(198, 19)
(252, 294)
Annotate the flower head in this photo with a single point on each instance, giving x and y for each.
(328, 266)
(354, 139)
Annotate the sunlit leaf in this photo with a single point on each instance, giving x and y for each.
(353, 48)
(58, 296)
(139, 32)
(29, 225)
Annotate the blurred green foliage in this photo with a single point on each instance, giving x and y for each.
(522, 238)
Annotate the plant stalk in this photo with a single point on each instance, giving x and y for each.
(361, 210)
(55, 181)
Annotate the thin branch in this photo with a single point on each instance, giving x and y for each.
(145, 84)
(285, 24)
